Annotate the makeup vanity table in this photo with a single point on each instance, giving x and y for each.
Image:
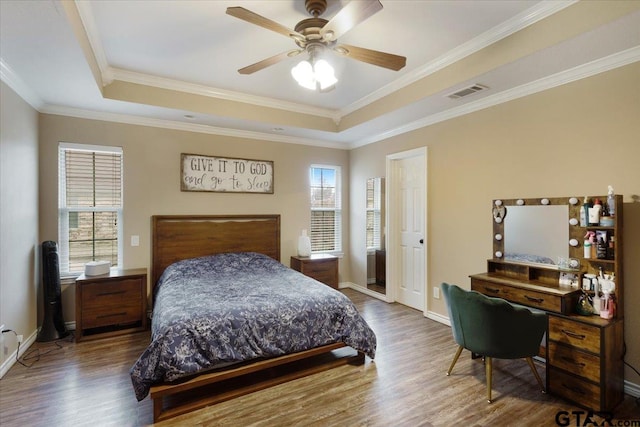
(584, 354)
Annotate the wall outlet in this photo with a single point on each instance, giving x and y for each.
(19, 338)
(436, 292)
(135, 240)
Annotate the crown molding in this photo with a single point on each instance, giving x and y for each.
(8, 76)
(589, 69)
(208, 91)
(517, 23)
(524, 19)
(182, 126)
(85, 11)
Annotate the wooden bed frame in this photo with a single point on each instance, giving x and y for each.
(177, 237)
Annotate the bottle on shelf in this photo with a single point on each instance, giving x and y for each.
(611, 250)
(611, 202)
(584, 212)
(601, 250)
(594, 213)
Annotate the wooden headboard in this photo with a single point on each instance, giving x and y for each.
(178, 237)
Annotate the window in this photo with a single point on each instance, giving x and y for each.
(326, 209)
(89, 206)
(374, 226)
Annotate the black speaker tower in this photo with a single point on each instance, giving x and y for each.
(53, 326)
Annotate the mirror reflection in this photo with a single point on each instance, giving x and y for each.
(375, 219)
(536, 234)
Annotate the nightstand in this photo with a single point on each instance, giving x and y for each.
(322, 267)
(111, 304)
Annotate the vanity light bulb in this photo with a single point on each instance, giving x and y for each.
(520, 202)
(498, 254)
(544, 201)
(498, 202)
(573, 221)
(498, 236)
(573, 201)
(498, 219)
(573, 242)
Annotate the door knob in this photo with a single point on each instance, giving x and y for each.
(422, 241)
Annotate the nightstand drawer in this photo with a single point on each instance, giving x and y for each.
(105, 316)
(320, 267)
(577, 362)
(111, 294)
(575, 334)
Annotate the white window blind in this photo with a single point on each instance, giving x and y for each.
(90, 205)
(374, 203)
(326, 209)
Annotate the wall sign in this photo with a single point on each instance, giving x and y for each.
(225, 174)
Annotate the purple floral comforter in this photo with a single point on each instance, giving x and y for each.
(217, 310)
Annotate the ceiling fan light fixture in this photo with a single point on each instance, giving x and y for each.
(303, 74)
(310, 76)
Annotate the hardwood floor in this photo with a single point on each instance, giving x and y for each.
(87, 384)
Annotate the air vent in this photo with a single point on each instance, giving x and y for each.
(467, 91)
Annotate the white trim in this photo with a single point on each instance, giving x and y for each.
(85, 12)
(592, 68)
(437, 317)
(631, 389)
(88, 147)
(11, 359)
(12, 80)
(364, 290)
(524, 19)
(212, 92)
(187, 127)
(579, 72)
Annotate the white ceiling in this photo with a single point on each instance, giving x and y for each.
(194, 47)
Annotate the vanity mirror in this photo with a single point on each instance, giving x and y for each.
(375, 217)
(536, 234)
(536, 231)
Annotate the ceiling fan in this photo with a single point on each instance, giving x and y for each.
(315, 35)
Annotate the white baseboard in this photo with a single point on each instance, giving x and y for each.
(11, 360)
(438, 318)
(363, 290)
(631, 389)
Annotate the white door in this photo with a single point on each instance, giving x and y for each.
(408, 225)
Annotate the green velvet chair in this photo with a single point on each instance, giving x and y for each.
(493, 327)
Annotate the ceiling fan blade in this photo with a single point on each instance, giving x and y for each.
(348, 17)
(254, 18)
(374, 57)
(250, 69)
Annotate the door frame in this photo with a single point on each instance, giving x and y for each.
(392, 222)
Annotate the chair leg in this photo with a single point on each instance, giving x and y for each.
(455, 359)
(488, 372)
(535, 373)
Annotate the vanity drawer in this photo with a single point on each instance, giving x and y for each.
(526, 297)
(577, 362)
(575, 334)
(576, 389)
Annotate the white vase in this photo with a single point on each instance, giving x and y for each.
(304, 244)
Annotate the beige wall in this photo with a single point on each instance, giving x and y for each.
(152, 182)
(571, 140)
(18, 218)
